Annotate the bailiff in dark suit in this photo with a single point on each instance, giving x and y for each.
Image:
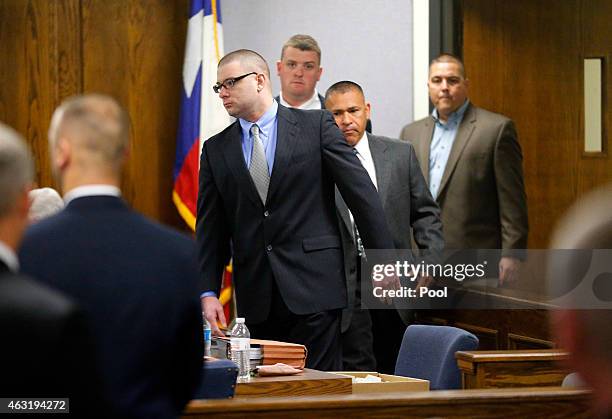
(137, 284)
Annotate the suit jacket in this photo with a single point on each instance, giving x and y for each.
(321, 99)
(482, 194)
(46, 347)
(293, 239)
(137, 283)
(408, 205)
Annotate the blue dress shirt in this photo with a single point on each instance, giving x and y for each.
(443, 137)
(267, 133)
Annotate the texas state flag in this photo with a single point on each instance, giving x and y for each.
(202, 112)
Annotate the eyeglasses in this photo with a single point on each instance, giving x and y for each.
(229, 83)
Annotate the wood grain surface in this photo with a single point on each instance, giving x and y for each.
(501, 369)
(308, 383)
(475, 404)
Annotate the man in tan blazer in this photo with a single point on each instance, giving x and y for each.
(472, 162)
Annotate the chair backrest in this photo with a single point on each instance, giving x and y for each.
(428, 352)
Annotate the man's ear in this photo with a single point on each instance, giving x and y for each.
(320, 72)
(368, 109)
(62, 153)
(278, 67)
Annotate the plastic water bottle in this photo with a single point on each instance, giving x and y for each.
(207, 337)
(240, 342)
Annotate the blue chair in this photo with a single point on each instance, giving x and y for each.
(428, 352)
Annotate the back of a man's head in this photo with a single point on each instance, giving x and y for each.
(16, 168)
(96, 127)
(16, 176)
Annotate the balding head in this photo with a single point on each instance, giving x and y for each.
(249, 60)
(16, 168)
(16, 176)
(94, 129)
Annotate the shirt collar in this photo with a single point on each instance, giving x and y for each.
(312, 103)
(8, 256)
(264, 123)
(453, 117)
(362, 145)
(91, 190)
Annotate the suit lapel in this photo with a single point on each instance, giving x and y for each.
(286, 137)
(235, 160)
(380, 158)
(423, 147)
(344, 212)
(466, 128)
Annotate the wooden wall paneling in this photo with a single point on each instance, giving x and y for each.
(39, 63)
(520, 342)
(496, 329)
(487, 337)
(12, 46)
(134, 51)
(157, 32)
(522, 59)
(597, 42)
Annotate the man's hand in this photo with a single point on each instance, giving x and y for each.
(213, 310)
(509, 268)
(389, 282)
(424, 281)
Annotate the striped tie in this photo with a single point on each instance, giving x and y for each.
(259, 165)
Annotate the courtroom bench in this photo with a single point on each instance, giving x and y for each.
(524, 368)
(490, 403)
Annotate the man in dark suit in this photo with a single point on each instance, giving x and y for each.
(410, 211)
(472, 161)
(46, 349)
(267, 198)
(136, 280)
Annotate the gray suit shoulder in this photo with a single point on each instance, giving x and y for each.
(393, 143)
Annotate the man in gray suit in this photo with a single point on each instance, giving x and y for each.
(472, 162)
(409, 209)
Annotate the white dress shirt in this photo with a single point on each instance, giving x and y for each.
(91, 190)
(8, 256)
(365, 157)
(312, 103)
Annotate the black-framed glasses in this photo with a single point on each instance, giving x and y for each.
(229, 83)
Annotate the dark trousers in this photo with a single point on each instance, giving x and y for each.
(319, 332)
(357, 339)
(388, 330)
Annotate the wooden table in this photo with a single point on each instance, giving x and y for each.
(527, 368)
(521, 403)
(308, 383)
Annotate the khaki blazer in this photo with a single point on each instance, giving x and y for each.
(482, 193)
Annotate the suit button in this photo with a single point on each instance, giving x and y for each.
(266, 213)
(269, 248)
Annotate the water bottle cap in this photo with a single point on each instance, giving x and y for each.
(239, 319)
